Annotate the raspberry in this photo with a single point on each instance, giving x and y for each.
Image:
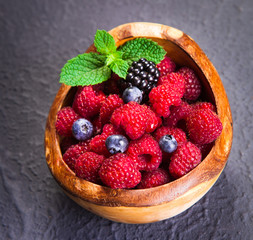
(203, 105)
(97, 125)
(111, 103)
(177, 133)
(65, 119)
(153, 121)
(119, 171)
(97, 144)
(205, 148)
(67, 142)
(87, 166)
(177, 113)
(204, 126)
(164, 96)
(87, 101)
(166, 66)
(145, 152)
(174, 78)
(111, 86)
(70, 156)
(192, 84)
(184, 159)
(135, 119)
(153, 178)
(143, 75)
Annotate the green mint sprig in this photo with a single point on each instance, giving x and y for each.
(93, 68)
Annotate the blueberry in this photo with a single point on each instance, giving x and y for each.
(168, 143)
(132, 94)
(116, 144)
(82, 129)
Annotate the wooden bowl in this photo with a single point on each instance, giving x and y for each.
(154, 204)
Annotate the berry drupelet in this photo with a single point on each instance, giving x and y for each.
(142, 74)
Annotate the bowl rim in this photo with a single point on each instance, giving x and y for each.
(210, 167)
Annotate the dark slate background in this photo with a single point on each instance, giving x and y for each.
(37, 37)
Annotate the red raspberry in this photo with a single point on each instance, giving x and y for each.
(162, 97)
(153, 178)
(97, 126)
(166, 66)
(67, 142)
(65, 119)
(135, 119)
(177, 133)
(70, 156)
(145, 152)
(87, 101)
(173, 78)
(204, 126)
(111, 85)
(177, 113)
(203, 105)
(97, 144)
(111, 103)
(205, 148)
(119, 171)
(87, 166)
(184, 159)
(192, 84)
(153, 121)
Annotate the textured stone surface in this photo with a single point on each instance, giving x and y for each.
(37, 38)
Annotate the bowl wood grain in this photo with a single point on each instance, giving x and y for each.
(154, 204)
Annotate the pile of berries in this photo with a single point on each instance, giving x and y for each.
(140, 132)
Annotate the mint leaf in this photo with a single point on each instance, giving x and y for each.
(113, 57)
(119, 67)
(142, 48)
(104, 42)
(85, 69)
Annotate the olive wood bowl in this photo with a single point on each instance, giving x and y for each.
(158, 203)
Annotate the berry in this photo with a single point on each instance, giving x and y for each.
(97, 144)
(134, 119)
(70, 156)
(67, 142)
(145, 152)
(162, 97)
(142, 74)
(205, 148)
(153, 178)
(203, 105)
(111, 103)
(177, 113)
(87, 101)
(132, 94)
(65, 119)
(111, 86)
(184, 159)
(87, 166)
(204, 126)
(116, 144)
(174, 78)
(168, 143)
(119, 171)
(82, 129)
(153, 121)
(177, 133)
(97, 125)
(192, 84)
(166, 66)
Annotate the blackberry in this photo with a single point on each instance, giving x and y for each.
(142, 74)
